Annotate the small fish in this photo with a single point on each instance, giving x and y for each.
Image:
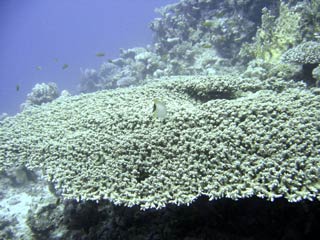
(159, 109)
(65, 66)
(110, 61)
(56, 59)
(17, 87)
(39, 68)
(100, 54)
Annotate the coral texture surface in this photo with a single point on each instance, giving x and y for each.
(223, 136)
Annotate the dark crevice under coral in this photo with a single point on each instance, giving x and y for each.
(212, 95)
(245, 219)
(307, 74)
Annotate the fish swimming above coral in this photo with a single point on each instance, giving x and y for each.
(65, 66)
(100, 54)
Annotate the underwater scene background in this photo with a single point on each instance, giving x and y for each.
(39, 37)
(199, 120)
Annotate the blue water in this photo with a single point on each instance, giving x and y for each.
(35, 32)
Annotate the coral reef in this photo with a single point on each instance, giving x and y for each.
(132, 66)
(3, 116)
(208, 37)
(275, 35)
(304, 53)
(311, 15)
(316, 75)
(261, 69)
(21, 192)
(237, 124)
(41, 93)
(223, 136)
(191, 37)
(307, 55)
(45, 221)
(220, 25)
(92, 80)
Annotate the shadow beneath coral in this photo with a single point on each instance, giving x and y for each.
(251, 218)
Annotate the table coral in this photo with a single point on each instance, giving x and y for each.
(223, 136)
